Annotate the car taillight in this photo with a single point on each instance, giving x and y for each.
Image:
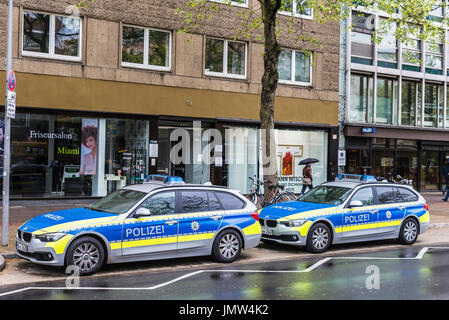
(426, 206)
(255, 215)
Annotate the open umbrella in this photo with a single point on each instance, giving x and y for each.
(308, 160)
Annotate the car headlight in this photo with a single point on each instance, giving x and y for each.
(293, 223)
(49, 237)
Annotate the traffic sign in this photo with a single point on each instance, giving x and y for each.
(11, 105)
(11, 80)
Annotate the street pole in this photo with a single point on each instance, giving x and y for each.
(7, 134)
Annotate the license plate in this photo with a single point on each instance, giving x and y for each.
(21, 247)
(268, 232)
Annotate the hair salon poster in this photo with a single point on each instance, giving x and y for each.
(89, 129)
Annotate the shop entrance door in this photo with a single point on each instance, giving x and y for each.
(430, 170)
(179, 156)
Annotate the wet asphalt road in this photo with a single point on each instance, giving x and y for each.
(401, 274)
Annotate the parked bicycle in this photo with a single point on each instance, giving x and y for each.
(277, 194)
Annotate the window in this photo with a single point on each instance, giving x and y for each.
(225, 58)
(361, 100)
(147, 48)
(387, 48)
(407, 195)
(437, 13)
(387, 101)
(294, 67)
(411, 99)
(361, 38)
(387, 195)
(434, 53)
(214, 203)
(240, 3)
(194, 201)
(229, 201)
(161, 203)
(411, 47)
(365, 195)
(51, 36)
(297, 8)
(433, 104)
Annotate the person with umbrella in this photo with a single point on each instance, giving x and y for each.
(307, 180)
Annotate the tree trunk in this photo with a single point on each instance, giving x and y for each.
(269, 85)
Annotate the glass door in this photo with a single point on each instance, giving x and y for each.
(430, 170)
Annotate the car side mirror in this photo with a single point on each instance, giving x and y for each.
(356, 204)
(142, 212)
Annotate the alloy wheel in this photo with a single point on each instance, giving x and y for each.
(86, 256)
(229, 246)
(320, 238)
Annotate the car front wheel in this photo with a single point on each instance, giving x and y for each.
(87, 254)
(319, 238)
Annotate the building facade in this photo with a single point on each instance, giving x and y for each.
(105, 96)
(394, 107)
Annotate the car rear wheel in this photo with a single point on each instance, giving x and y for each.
(319, 238)
(409, 231)
(227, 246)
(87, 254)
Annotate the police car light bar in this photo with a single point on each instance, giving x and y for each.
(356, 177)
(164, 179)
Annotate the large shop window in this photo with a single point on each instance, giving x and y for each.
(147, 48)
(361, 100)
(126, 152)
(51, 36)
(53, 155)
(292, 146)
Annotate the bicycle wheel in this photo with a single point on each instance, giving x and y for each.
(255, 199)
(285, 196)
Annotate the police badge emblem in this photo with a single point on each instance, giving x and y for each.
(195, 226)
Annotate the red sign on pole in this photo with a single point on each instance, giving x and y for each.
(11, 80)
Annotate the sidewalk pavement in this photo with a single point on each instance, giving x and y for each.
(22, 211)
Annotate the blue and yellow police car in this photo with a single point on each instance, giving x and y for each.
(163, 218)
(353, 208)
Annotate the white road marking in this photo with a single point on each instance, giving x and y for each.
(420, 255)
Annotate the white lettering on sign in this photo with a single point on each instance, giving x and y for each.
(145, 231)
(357, 218)
(47, 135)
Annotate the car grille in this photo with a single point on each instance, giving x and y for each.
(19, 234)
(271, 223)
(262, 221)
(26, 236)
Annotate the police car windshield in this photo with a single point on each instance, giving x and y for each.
(326, 195)
(119, 201)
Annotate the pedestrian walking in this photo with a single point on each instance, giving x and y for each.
(307, 181)
(446, 178)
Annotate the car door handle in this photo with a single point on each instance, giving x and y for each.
(374, 211)
(216, 217)
(401, 207)
(171, 222)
